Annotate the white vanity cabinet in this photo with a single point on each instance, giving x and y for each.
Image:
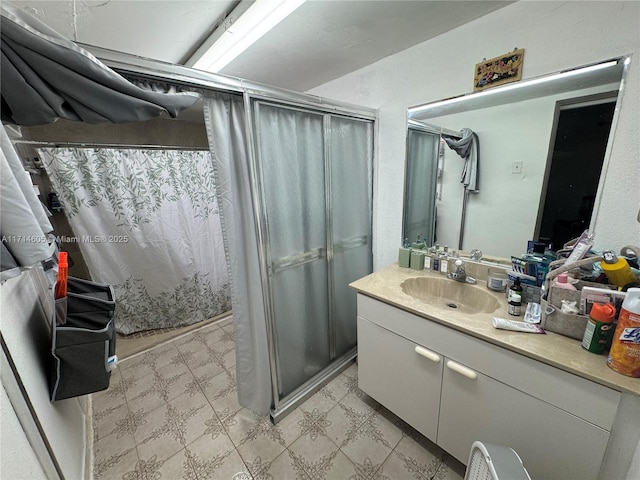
(403, 376)
(466, 389)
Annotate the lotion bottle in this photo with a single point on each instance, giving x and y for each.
(562, 281)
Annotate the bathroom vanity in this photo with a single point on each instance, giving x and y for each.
(441, 366)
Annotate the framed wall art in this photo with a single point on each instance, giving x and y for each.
(496, 71)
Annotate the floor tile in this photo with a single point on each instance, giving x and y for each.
(215, 458)
(224, 336)
(146, 468)
(196, 340)
(221, 393)
(361, 435)
(229, 329)
(227, 355)
(114, 456)
(411, 461)
(312, 423)
(358, 403)
(113, 396)
(283, 467)
(206, 361)
(143, 393)
(328, 396)
(335, 467)
(255, 436)
(172, 427)
(177, 467)
(104, 419)
(370, 470)
(315, 454)
(152, 359)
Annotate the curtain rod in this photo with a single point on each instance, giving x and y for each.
(37, 143)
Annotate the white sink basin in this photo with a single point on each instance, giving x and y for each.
(451, 295)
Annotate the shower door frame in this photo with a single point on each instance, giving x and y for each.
(283, 405)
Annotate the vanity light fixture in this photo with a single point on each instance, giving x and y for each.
(515, 86)
(259, 18)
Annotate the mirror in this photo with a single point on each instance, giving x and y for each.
(517, 125)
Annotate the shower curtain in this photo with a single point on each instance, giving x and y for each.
(147, 222)
(226, 128)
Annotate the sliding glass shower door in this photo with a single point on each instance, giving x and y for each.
(421, 185)
(314, 181)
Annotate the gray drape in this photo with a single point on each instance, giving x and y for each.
(225, 120)
(46, 76)
(468, 147)
(24, 224)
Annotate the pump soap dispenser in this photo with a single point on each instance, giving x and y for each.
(404, 254)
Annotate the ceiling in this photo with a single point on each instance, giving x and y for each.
(320, 41)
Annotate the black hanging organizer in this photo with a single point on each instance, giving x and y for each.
(83, 339)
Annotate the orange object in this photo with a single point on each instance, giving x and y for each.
(63, 273)
(624, 356)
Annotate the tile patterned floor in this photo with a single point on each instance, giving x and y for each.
(172, 413)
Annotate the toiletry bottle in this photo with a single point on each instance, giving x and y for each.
(617, 269)
(599, 332)
(428, 258)
(624, 356)
(515, 305)
(435, 263)
(516, 287)
(444, 261)
(404, 254)
(581, 248)
(417, 259)
(562, 281)
(418, 243)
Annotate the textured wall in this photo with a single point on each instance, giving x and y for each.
(556, 36)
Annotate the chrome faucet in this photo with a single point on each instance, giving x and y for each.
(460, 275)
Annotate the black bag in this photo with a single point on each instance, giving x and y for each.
(83, 339)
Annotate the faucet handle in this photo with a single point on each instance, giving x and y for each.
(475, 254)
(458, 263)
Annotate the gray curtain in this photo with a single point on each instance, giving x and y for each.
(224, 117)
(468, 147)
(24, 224)
(46, 76)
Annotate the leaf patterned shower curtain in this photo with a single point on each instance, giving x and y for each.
(147, 222)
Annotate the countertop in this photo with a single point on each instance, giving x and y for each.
(553, 349)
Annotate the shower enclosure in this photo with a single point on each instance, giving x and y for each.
(423, 153)
(313, 177)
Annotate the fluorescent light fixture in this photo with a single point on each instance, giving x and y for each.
(261, 17)
(514, 86)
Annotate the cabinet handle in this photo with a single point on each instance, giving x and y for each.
(428, 354)
(462, 370)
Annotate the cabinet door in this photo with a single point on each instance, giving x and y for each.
(552, 443)
(401, 375)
